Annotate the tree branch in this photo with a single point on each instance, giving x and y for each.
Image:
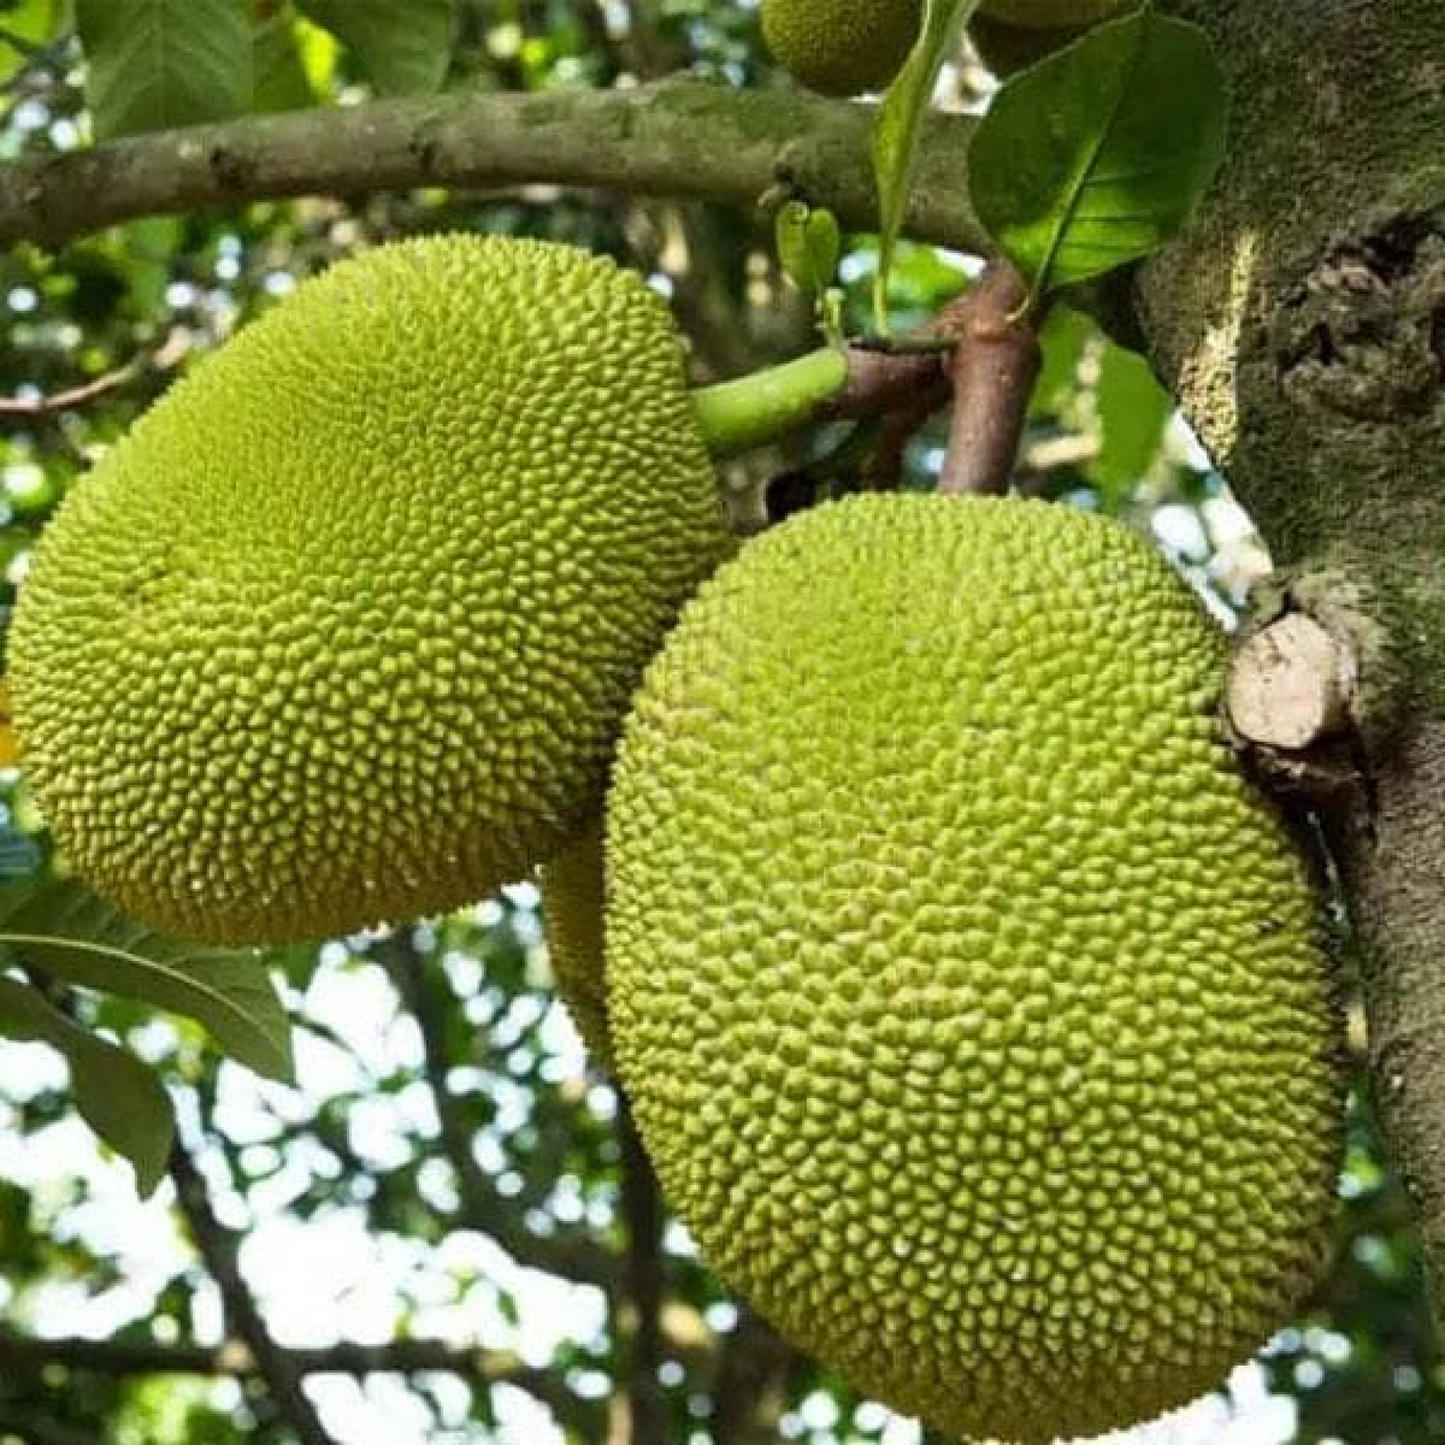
(683, 139)
(220, 1249)
(235, 1359)
(992, 370)
(24, 1426)
(750, 1391)
(638, 1308)
(482, 1207)
(1297, 319)
(161, 358)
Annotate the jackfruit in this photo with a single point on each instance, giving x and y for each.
(971, 1004)
(344, 629)
(1051, 14)
(572, 910)
(841, 47)
(1006, 49)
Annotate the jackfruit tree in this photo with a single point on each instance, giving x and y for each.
(604, 882)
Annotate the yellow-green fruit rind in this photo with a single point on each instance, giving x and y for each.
(971, 1004)
(572, 885)
(841, 47)
(345, 628)
(1052, 14)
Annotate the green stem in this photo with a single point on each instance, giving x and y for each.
(765, 405)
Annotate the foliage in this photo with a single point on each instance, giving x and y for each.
(443, 1131)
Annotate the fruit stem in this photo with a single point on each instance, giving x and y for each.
(765, 405)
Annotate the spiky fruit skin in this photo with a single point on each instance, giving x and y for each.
(573, 900)
(1051, 14)
(971, 1004)
(344, 629)
(841, 47)
(1007, 49)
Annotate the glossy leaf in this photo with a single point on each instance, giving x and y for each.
(117, 1095)
(153, 64)
(73, 935)
(1097, 155)
(281, 80)
(400, 49)
(897, 128)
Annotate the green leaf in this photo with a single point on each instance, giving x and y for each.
(71, 934)
(1097, 155)
(281, 80)
(808, 243)
(117, 1095)
(1062, 339)
(33, 23)
(400, 49)
(897, 128)
(153, 64)
(1133, 411)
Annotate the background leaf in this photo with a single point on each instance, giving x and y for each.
(117, 1095)
(1096, 156)
(74, 935)
(400, 49)
(896, 131)
(281, 79)
(33, 22)
(1133, 412)
(152, 64)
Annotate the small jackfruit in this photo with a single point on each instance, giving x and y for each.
(1006, 48)
(841, 47)
(971, 1004)
(1051, 14)
(344, 629)
(572, 887)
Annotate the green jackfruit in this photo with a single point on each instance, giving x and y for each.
(971, 1004)
(841, 47)
(1051, 14)
(345, 628)
(572, 909)
(1006, 48)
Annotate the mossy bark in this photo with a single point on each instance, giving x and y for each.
(1301, 321)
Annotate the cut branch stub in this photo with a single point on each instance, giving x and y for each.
(1291, 685)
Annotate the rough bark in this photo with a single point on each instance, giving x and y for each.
(1301, 321)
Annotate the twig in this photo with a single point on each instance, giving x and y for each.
(750, 1390)
(72, 397)
(18, 43)
(993, 370)
(162, 358)
(234, 1359)
(638, 1310)
(482, 1207)
(220, 1249)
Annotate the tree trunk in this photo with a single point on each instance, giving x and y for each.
(1301, 321)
